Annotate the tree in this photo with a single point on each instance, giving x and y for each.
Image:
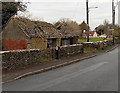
(10, 9)
(117, 31)
(105, 22)
(105, 28)
(100, 29)
(84, 27)
(68, 26)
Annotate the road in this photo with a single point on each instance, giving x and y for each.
(99, 73)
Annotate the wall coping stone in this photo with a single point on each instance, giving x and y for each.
(25, 50)
(71, 45)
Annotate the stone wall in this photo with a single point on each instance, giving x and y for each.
(19, 58)
(70, 50)
(98, 45)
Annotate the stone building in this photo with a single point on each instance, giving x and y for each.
(22, 33)
(92, 34)
(70, 32)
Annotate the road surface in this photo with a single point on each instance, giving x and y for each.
(95, 74)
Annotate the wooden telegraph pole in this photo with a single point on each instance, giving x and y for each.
(87, 14)
(113, 18)
(113, 13)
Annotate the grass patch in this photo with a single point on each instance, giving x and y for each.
(109, 38)
(93, 40)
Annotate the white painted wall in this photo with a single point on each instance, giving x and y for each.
(95, 35)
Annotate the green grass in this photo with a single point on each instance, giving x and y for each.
(92, 40)
(109, 38)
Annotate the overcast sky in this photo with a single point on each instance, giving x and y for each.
(53, 10)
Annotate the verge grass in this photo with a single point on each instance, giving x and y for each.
(93, 40)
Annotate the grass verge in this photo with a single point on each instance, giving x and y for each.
(93, 40)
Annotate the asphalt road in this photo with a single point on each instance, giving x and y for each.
(95, 74)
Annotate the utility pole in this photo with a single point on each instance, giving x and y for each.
(87, 14)
(113, 18)
(113, 13)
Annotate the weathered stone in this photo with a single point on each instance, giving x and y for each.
(20, 58)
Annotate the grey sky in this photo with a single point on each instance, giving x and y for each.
(51, 11)
(119, 13)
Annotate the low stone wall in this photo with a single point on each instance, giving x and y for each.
(98, 45)
(70, 50)
(20, 58)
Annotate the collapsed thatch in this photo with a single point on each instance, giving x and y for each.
(36, 28)
(45, 30)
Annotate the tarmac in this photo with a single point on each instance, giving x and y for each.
(12, 75)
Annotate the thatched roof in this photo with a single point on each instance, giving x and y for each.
(36, 28)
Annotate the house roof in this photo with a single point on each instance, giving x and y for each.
(36, 28)
(69, 30)
(45, 30)
(91, 33)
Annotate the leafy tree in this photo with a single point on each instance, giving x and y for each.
(100, 29)
(10, 9)
(105, 28)
(117, 31)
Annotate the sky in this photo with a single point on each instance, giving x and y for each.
(119, 14)
(54, 10)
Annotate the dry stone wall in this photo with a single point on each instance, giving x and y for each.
(98, 45)
(70, 50)
(20, 58)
